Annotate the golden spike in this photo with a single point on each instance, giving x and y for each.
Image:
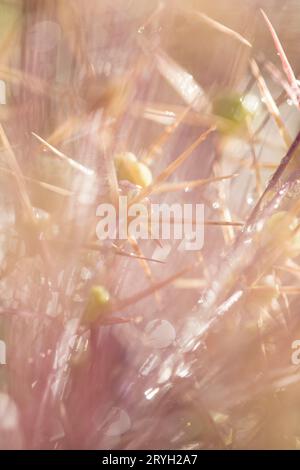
(218, 26)
(172, 167)
(255, 166)
(228, 232)
(14, 167)
(43, 184)
(144, 264)
(183, 185)
(164, 137)
(149, 291)
(64, 130)
(73, 163)
(284, 61)
(270, 103)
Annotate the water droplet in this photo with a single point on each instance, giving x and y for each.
(183, 370)
(191, 330)
(85, 274)
(251, 103)
(151, 392)
(150, 364)
(160, 333)
(250, 200)
(119, 422)
(161, 253)
(166, 369)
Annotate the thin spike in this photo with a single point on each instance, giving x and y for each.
(276, 176)
(42, 184)
(173, 166)
(224, 211)
(218, 26)
(149, 291)
(278, 78)
(182, 82)
(14, 167)
(183, 185)
(118, 251)
(284, 60)
(270, 103)
(64, 130)
(255, 166)
(164, 137)
(144, 264)
(74, 164)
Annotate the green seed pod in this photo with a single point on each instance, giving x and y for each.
(97, 304)
(232, 111)
(130, 169)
